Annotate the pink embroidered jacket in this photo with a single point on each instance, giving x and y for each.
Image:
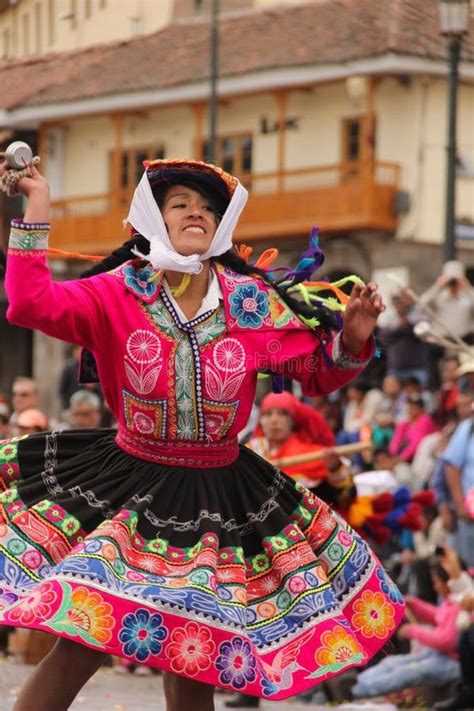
(180, 392)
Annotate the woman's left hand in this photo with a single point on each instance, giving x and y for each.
(360, 317)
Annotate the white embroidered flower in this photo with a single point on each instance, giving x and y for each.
(150, 563)
(225, 575)
(229, 355)
(326, 522)
(143, 346)
(270, 583)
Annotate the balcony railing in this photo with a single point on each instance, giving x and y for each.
(339, 199)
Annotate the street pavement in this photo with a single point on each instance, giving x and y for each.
(109, 691)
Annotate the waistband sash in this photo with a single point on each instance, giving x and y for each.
(181, 453)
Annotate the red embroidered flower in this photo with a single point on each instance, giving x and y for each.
(9, 472)
(36, 606)
(190, 649)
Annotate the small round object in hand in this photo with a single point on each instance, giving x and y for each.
(18, 155)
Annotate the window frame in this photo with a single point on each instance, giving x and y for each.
(351, 166)
(245, 177)
(152, 151)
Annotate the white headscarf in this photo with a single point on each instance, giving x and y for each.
(146, 218)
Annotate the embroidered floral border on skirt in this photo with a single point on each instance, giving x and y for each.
(234, 576)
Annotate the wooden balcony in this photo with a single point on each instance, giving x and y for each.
(339, 199)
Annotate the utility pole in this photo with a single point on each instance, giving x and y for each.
(214, 75)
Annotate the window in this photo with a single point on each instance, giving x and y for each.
(234, 155)
(355, 146)
(352, 130)
(131, 165)
(88, 9)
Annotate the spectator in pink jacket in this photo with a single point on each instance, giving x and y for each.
(435, 663)
(409, 433)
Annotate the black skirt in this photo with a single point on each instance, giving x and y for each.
(235, 576)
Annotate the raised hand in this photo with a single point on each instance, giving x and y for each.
(36, 189)
(26, 185)
(360, 317)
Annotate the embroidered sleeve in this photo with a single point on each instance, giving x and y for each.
(343, 359)
(72, 310)
(28, 239)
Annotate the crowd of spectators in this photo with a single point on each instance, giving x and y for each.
(413, 407)
(405, 425)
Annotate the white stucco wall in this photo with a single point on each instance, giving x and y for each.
(412, 131)
(51, 27)
(89, 144)
(108, 21)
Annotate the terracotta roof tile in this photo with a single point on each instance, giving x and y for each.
(24, 79)
(321, 32)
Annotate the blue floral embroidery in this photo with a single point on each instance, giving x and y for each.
(138, 280)
(389, 588)
(142, 634)
(249, 305)
(236, 663)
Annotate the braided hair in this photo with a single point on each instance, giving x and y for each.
(3, 262)
(230, 259)
(119, 256)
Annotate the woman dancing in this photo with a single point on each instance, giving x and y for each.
(165, 542)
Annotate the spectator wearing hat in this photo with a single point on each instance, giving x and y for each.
(288, 428)
(409, 433)
(465, 374)
(452, 299)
